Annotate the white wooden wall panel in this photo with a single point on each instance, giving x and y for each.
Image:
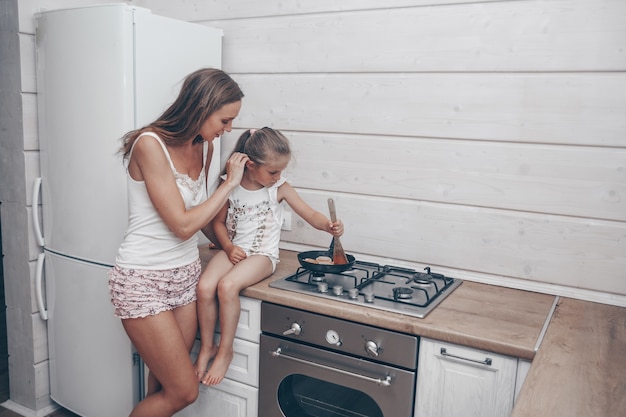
(569, 251)
(27, 63)
(479, 137)
(577, 108)
(502, 36)
(29, 123)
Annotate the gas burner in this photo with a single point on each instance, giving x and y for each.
(317, 277)
(421, 281)
(402, 293)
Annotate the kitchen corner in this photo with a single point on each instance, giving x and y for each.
(578, 369)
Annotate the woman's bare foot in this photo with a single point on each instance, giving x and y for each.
(218, 368)
(203, 359)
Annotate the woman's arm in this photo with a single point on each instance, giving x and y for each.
(149, 163)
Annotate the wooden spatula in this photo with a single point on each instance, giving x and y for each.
(339, 256)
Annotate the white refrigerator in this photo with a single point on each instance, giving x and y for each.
(101, 71)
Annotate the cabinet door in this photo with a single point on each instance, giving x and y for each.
(456, 381)
(228, 399)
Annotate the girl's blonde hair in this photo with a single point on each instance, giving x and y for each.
(262, 144)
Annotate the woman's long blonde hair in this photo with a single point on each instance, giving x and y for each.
(203, 92)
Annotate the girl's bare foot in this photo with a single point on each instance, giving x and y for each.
(218, 368)
(203, 359)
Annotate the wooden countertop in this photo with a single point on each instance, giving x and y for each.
(578, 371)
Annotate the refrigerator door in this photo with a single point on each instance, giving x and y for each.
(85, 71)
(92, 367)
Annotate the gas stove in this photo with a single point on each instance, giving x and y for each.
(383, 287)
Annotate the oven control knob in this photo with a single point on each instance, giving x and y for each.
(332, 337)
(295, 330)
(371, 347)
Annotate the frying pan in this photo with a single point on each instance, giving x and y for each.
(323, 267)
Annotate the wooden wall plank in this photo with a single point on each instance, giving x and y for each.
(577, 109)
(501, 36)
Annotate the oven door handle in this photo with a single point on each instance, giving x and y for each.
(278, 353)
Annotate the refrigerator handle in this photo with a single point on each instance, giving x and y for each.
(36, 222)
(43, 313)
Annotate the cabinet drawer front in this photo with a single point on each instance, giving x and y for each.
(229, 398)
(244, 367)
(249, 326)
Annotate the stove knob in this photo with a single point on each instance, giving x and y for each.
(372, 347)
(332, 337)
(295, 330)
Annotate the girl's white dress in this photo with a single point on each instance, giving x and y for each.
(254, 220)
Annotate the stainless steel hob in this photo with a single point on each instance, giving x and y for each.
(384, 287)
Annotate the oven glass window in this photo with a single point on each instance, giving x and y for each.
(303, 396)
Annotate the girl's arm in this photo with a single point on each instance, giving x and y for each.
(309, 214)
(149, 163)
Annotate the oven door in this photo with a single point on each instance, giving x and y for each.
(298, 380)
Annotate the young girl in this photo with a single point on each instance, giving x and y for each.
(248, 231)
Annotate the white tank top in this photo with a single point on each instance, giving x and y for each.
(149, 243)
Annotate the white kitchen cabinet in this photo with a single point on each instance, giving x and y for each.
(237, 394)
(457, 381)
(228, 399)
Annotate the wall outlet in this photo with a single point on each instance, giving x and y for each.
(287, 221)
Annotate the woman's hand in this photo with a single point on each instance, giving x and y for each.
(235, 167)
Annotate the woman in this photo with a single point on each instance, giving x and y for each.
(153, 284)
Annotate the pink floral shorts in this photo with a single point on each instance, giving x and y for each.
(139, 293)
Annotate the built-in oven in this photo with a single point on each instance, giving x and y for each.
(320, 366)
